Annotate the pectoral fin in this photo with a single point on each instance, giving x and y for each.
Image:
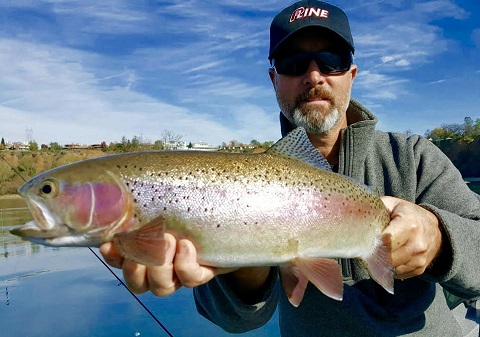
(145, 245)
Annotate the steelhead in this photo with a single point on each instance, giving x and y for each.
(283, 207)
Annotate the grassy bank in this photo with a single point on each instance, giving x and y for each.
(29, 164)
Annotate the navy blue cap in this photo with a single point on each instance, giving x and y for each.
(309, 13)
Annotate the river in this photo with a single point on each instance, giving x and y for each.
(58, 292)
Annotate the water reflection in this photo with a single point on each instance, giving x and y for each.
(60, 292)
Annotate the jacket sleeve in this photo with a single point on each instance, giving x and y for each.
(441, 189)
(217, 302)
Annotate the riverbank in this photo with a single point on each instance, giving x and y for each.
(12, 201)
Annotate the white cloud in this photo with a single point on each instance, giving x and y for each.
(86, 71)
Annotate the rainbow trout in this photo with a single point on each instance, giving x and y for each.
(283, 207)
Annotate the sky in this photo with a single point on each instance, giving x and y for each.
(87, 71)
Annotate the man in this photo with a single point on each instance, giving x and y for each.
(435, 217)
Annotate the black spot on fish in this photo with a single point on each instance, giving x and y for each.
(135, 200)
(165, 208)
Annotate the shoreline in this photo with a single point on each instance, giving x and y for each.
(10, 197)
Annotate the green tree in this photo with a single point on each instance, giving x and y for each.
(2, 144)
(255, 143)
(440, 134)
(55, 147)
(476, 127)
(33, 146)
(469, 129)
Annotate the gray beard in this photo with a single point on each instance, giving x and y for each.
(315, 126)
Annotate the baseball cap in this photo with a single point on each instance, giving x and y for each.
(309, 13)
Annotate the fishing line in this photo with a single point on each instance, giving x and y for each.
(131, 293)
(13, 168)
(106, 266)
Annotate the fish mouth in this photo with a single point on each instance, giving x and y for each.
(33, 232)
(48, 230)
(59, 236)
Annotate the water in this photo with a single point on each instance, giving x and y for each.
(474, 184)
(52, 292)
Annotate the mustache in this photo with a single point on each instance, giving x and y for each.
(315, 92)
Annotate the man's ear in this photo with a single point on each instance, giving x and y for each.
(273, 77)
(353, 71)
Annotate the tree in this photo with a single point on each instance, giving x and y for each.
(469, 128)
(2, 144)
(33, 146)
(476, 127)
(255, 143)
(54, 146)
(168, 136)
(440, 134)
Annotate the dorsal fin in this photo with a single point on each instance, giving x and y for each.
(296, 145)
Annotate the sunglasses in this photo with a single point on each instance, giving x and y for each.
(328, 62)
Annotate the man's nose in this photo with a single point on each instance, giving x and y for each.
(313, 76)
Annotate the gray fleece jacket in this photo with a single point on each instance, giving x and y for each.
(409, 168)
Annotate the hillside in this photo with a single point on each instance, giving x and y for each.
(29, 164)
(464, 155)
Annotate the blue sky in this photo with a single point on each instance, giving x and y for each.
(91, 71)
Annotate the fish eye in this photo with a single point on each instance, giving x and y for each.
(48, 188)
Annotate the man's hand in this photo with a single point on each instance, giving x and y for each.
(416, 237)
(180, 269)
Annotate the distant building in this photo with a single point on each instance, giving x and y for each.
(203, 146)
(19, 146)
(175, 145)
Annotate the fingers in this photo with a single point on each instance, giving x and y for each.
(415, 237)
(111, 255)
(179, 269)
(162, 280)
(189, 271)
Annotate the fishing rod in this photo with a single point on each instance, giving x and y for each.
(106, 266)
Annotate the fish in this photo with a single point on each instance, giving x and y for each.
(283, 207)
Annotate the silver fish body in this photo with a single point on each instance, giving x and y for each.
(272, 208)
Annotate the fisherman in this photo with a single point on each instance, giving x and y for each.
(434, 216)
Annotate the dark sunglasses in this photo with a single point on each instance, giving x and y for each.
(328, 62)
